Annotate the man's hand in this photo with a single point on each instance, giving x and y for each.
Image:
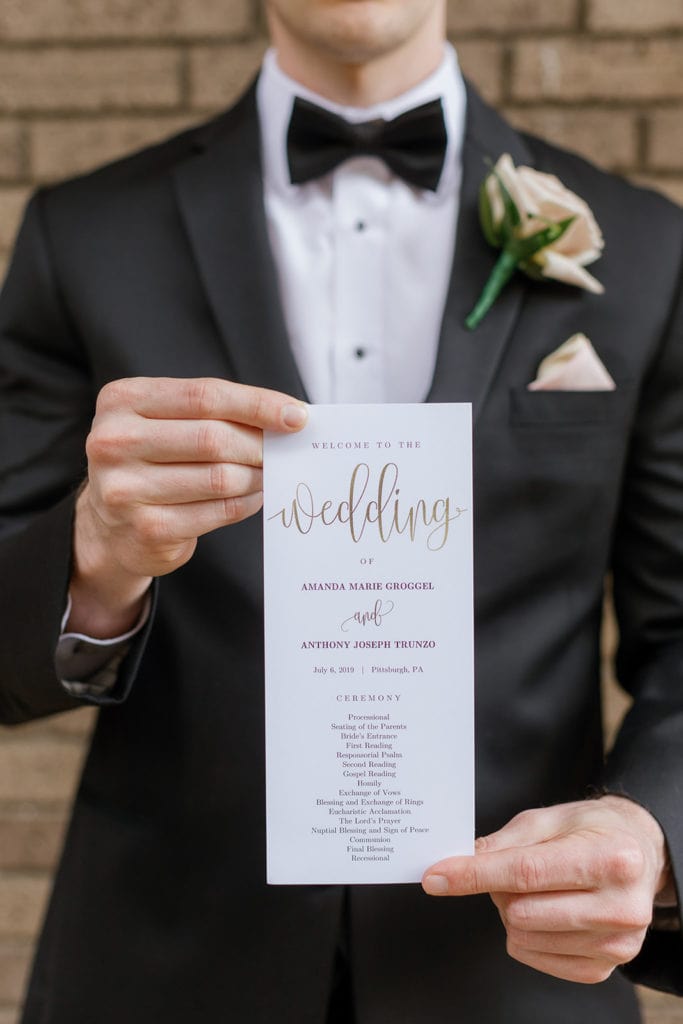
(168, 461)
(574, 884)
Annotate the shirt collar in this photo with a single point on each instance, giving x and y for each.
(275, 96)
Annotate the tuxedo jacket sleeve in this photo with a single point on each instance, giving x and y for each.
(645, 762)
(46, 406)
(159, 266)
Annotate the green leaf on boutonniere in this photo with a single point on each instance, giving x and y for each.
(528, 225)
(525, 248)
(486, 218)
(513, 217)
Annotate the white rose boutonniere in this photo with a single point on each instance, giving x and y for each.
(542, 228)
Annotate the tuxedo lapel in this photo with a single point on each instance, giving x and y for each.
(220, 194)
(467, 360)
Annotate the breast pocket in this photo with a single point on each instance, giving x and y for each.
(590, 425)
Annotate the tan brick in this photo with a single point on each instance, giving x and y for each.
(666, 139)
(615, 705)
(483, 63)
(660, 1008)
(634, 15)
(75, 723)
(510, 15)
(11, 159)
(212, 17)
(607, 137)
(30, 840)
(615, 702)
(219, 73)
(15, 962)
(669, 186)
(9, 1016)
(38, 769)
(37, 729)
(12, 202)
(61, 148)
(24, 20)
(22, 903)
(566, 69)
(89, 79)
(78, 724)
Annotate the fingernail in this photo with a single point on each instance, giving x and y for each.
(294, 415)
(435, 885)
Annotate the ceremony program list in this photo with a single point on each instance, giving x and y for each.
(369, 643)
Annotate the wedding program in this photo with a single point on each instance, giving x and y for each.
(369, 643)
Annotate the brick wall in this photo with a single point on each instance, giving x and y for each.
(82, 81)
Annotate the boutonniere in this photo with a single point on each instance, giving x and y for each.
(541, 228)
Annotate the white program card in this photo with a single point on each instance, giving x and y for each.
(369, 643)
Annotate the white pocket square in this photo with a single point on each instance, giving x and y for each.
(574, 366)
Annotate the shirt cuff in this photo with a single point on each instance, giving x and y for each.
(87, 666)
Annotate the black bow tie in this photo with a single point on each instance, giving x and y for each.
(412, 145)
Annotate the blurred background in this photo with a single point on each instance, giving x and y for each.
(84, 81)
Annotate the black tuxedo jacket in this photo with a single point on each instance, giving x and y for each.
(159, 265)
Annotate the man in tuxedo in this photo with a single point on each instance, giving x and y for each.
(190, 297)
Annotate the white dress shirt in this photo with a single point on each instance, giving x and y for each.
(363, 259)
(363, 262)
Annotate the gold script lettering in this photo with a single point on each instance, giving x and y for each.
(383, 511)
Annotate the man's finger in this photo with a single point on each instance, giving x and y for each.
(164, 525)
(205, 398)
(158, 484)
(528, 828)
(175, 441)
(545, 867)
(617, 947)
(591, 910)
(582, 969)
